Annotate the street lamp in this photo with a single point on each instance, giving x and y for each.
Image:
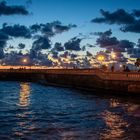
(100, 58)
(24, 60)
(113, 55)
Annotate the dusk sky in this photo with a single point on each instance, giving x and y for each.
(81, 23)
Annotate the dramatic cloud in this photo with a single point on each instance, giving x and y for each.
(61, 28)
(130, 22)
(21, 46)
(1, 53)
(35, 28)
(12, 10)
(106, 33)
(16, 31)
(134, 53)
(55, 54)
(65, 54)
(58, 47)
(73, 44)
(118, 17)
(42, 42)
(52, 28)
(135, 27)
(3, 39)
(105, 40)
(136, 13)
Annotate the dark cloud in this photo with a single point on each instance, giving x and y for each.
(120, 16)
(73, 56)
(3, 39)
(58, 47)
(35, 28)
(12, 10)
(90, 46)
(88, 54)
(1, 53)
(47, 29)
(55, 54)
(52, 28)
(83, 48)
(65, 54)
(129, 22)
(136, 13)
(11, 47)
(42, 42)
(126, 44)
(134, 53)
(135, 27)
(62, 28)
(16, 31)
(73, 44)
(33, 54)
(21, 46)
(39, 44)
(105, 40)
(13, 58)
(106, 33)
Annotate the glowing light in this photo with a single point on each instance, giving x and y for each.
(113, 55)
(24, 99)
(25, 60)
(100, 58)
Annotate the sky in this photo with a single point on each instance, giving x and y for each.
(80, 18)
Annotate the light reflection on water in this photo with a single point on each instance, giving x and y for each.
(24, 124)
(24, 99)
(30, 111)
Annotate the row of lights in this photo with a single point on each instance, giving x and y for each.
(102, 57)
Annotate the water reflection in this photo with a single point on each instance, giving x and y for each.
(115, 126)
(24, 124)
(37, 112)
(24, 99)
(115, 123)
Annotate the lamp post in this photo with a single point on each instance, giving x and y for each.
(24, 61)
(100, 58)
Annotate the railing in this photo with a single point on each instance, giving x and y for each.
(132, 76)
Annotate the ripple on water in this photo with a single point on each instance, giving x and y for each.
(31, 111)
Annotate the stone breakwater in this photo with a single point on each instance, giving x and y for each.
(119, 82)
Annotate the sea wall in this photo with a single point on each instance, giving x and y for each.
(91, 82)
(88, 79)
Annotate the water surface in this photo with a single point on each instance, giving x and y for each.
(34, 112)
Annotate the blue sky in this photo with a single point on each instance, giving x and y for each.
(79, 12)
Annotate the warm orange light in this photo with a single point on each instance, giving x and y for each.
(113, 55)
(100, 58)
(24, 60)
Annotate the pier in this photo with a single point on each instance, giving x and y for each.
(127, 82)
